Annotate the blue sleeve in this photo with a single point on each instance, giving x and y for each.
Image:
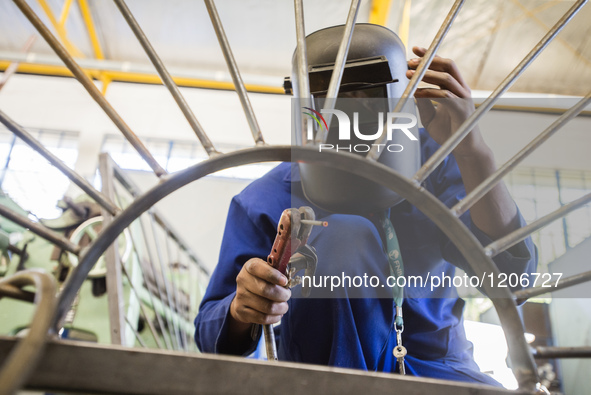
(446, 184)
(243, 239)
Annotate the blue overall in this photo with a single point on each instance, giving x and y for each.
(357, 332)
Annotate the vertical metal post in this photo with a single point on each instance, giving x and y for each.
(89, 86)
(305, 99)
(455, 139)
(166, 78)
(234, 72)
(114, 278)
(375, 152)
(339, 67)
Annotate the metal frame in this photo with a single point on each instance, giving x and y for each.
(447, 220)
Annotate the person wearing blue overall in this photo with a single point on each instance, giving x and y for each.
(354, 329)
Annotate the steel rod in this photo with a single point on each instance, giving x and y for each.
(543, 352)
(482, 189)
(339, 67)
(136, 333)
(234, 72)
(174, 281)
(524, 294)
(40, 230)
(516, 236)
(166, 77)
(10, 291)
(305, 99)
(89, 86)
(409, 91)
(56, 162)
(23, 359)
(452, 142)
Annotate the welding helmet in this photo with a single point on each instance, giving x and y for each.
(373, 81)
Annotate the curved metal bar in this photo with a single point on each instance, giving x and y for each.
(452, 227)
(452, 142)
(339, 67)
(234, 72)
(305, 97)
(524, 294)
(40, 230)
(375, 152)
(516, 236)
(166, 78)
(89, 86)
(23, 359)
(56, 162)
(483, 188)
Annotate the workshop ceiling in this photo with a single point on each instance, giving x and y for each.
(488, 39)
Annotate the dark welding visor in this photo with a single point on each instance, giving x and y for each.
(358, 74)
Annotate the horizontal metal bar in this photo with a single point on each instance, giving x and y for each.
(76, 178)
(483, 188)
(40, 230)
(516, 236)
(562, 352)
(375, 152)
(524, 294)
(97, 368)
(339, 67)
(89, 86)
(166, 78)
(18, 364)
(234, 72)
(452, 142)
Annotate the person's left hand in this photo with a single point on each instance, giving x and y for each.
(454, 102)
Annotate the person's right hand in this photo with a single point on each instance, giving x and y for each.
(261, 296)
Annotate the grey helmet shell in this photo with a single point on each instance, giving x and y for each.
(340, 191)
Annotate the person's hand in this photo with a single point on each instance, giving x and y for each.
(261, 296)
(454, 102)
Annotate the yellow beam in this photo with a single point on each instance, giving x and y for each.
(60, 30)
(65, 12)
(379, 12)
(87, 17)
(144, 78)
(404, 27)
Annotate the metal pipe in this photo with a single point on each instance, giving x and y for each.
(40, 230)
(24, 357)
(174, 280)
(456, 138)
(339, 67)
(524, 294)
(89, 86)
(409, 91)
(543, 352)
(482, 189)
(166, 78)
(76, 178)
(13, 292)
(136, 333)
(302, 64)
(434, 209)
(234, 72)
(516, 236)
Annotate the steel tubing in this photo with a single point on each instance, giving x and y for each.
(23, 359)
(452, 227)
(482, 189)
(452, 142)
(517, 235)
(562, 352)
(40, 230)
(304, 96)
(166, 78)
(374, 153)
(524, 294)
(339, 67)
(235, 73)
(76, 178)
(89, 86)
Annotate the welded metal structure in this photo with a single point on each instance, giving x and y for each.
(182, 374)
